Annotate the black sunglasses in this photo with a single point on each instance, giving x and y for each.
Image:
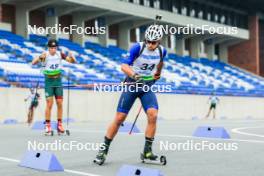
(152, 42)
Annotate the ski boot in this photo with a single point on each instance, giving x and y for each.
(48, 130)
(60, 129)
(100, 157)
(152, 158)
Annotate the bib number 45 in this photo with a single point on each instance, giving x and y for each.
(54, 66)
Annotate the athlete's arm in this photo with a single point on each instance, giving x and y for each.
(133, 54)
(159, 69)
(70, 58)
(160, 66)
(127, 70)
(41, 58)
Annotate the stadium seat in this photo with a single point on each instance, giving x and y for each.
(97, 63)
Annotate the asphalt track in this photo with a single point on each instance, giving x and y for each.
(247, 135)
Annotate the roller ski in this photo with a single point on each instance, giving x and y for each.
(48, 129)
(149, 157)
(100, 158)
(61, 131)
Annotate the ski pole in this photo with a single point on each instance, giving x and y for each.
(135, 120)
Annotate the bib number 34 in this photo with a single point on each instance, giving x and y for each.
(147, 67)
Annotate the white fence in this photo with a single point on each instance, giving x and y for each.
(100, 106)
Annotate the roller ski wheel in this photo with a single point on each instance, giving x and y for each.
(100, 158)
(163, 160)
(50, 133)
(61, 133)
(153, 159)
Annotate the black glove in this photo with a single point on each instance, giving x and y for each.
(137, 78)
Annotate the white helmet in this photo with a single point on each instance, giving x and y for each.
(154, 33)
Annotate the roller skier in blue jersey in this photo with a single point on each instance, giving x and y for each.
(145, 61)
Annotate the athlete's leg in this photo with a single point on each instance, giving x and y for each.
(58, 92)
(152, 114)
(112, 130)
(49, 104)
(125, 103)
(34, 107)
(30, 113)
(150, 105)
(49, 93)
(214, 113)
(59, 102)
(209, 112)
(115, 124)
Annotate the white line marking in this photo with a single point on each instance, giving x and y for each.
(237, 130)
(241, 121)
(9, 159)
(79, 173)
(65, 170)
(179, 136)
